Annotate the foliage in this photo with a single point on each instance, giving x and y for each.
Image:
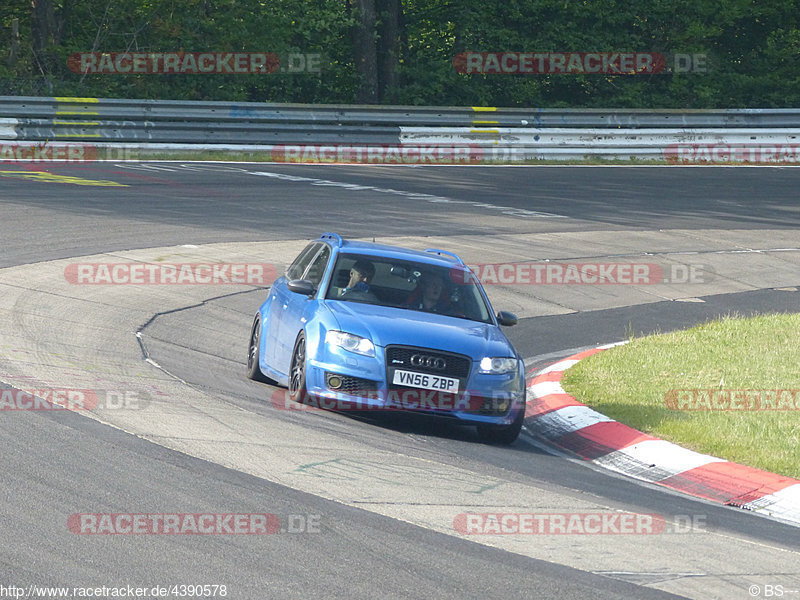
(751, 50)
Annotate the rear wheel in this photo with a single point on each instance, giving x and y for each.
(502, 434)
(254, 354)
(297, 371)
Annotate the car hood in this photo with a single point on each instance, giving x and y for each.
(386, 325)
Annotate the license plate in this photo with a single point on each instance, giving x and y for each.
(425, 381)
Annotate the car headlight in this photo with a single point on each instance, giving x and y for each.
(497, 366)
(350, 342)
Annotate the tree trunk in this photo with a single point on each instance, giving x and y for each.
(388, 45)
(47, 27)
(43, 24)
(364, 52)
(14, 53)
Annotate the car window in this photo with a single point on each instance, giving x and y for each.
(298, 267)
(403, 284)
(316, 269)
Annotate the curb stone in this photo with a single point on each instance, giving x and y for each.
(564, 423)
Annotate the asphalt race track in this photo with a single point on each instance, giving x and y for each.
(384, 491)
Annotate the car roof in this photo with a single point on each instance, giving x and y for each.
(396, 252)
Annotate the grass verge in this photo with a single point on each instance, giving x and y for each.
(266, 156)
(631, 384)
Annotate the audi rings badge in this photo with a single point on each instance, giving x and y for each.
(429, 362)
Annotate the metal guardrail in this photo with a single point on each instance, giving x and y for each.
(505, 133)
(191, 111)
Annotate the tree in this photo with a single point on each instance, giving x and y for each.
(365, 51)
(388, 50)
(402, 51)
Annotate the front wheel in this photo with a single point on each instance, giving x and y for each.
(297, 371)
(502, 434)
(254, 354)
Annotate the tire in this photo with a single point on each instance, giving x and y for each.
(502, 434)
(297, 371)
(254, 354)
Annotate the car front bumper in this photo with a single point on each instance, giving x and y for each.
(483, 398)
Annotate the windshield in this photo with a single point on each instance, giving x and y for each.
(408, 285)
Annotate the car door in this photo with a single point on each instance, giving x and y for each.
(296, 306)
(279, 301)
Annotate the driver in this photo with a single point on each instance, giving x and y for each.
(361, 273)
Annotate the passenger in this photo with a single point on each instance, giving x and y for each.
(430, 295)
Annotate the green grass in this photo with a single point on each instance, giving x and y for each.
(266, 156)
(629, 384)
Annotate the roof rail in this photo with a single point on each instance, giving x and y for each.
(445, 253)
(332, 236)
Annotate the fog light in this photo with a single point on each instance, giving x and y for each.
(334, 382)
(496, 405)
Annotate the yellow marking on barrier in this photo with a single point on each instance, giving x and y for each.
(485, 122)
(76, 100)
(484, 131)
(77, 112)
(53, 178)
(58, 122)
(484, 108)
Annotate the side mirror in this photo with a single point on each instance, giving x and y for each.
(506, 318)
(301, 286)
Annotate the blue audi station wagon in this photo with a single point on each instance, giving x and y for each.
(373, 327)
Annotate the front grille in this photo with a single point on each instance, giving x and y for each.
(434, 362)
(355, 386)
(403, 357)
